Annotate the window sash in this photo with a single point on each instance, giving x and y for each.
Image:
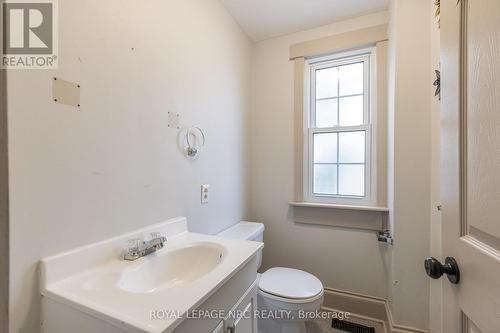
(365, 56)
(367, 163)
(365, 59)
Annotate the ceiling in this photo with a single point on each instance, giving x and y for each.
(262, 19)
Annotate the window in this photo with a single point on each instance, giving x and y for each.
(339, 131)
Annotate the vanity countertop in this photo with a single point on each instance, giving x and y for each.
(175, 280)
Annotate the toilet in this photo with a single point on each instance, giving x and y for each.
(285, 295)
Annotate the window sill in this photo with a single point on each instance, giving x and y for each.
(339, 206)
(343, 216)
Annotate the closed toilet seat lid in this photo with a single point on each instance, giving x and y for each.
(290, 283)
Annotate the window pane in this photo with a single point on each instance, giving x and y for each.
(351, 111)
(327, 82)
(326, 113)
(352, 147)
(351, 79)
(352, 180)
(325, 179)
(325, 148)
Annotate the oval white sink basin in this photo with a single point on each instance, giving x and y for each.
(166, 269)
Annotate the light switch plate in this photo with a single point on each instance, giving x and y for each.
(205, 193)
(65, 92)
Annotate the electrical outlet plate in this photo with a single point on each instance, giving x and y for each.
(205, 193)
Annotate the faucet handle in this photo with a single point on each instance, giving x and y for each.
(134, 245)
(155, 235)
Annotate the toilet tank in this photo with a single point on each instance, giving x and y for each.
(251, 231)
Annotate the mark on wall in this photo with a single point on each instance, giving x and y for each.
(66, 92)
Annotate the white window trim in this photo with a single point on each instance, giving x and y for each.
(311, 65)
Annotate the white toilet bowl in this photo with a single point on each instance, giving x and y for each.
(287, 296)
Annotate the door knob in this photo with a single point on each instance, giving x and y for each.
(435, 269)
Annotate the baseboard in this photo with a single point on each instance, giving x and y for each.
(368, 306)
(365, 307)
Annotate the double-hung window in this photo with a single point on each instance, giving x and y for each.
(339, 163)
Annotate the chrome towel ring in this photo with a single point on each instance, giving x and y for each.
(193, 147)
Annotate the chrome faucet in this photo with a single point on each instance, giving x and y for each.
(139, 248)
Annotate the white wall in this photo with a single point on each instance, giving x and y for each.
(345, 259)
(411, 141)
(82, 176)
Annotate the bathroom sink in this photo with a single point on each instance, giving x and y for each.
(189, 269)
(172, 268)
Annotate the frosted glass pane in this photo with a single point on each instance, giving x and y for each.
(352, 147)
(327, 82)
(352, 180)
(326, 113)
(351, 111)
(351, 79)
(325, 179)
(325, 148)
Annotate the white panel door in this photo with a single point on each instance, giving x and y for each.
(470, 82)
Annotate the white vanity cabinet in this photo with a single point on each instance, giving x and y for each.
(220, 328)
(237, 298)
(244, 321)
(242, 318)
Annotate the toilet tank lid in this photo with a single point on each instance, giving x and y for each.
(243, 230)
